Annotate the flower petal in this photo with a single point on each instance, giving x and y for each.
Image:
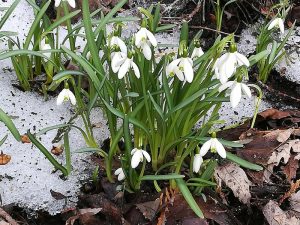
(124, 68)
(135, 69)
(72, 97)
(242, 60)
(121, 176)
(220, 149)
(117, 61)
(133, 151)
(205, 147)
(235, 95)
(151, 38)
(226, 85)
(146, 155)
(281, 25)
(197, 163)
(188, 70)
(72, 3)
(246, 90)
(147, 51)
(57, 3)
(122, 45)
(139, 36)
(136, 158)
(179, 74)
(273, 24)
(61, 97)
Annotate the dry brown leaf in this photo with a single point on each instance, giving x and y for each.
(291, 168)
(2, 222)
(82, 212)
(25, 139)
(149, 209)
(293, 188)
(274, 114)
(295, 202)
(57, 149)
(284, 135)
(276, 216)
(236, 179)
(4, 159)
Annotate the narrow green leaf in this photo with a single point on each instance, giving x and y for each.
(10, 125)
(61, 20)
(67, 73)
(3, 139)
(8, 12)
(46, 153)
(189, 197)
(243, 162)
(162, 177)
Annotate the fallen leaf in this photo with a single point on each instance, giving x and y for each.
(236, 179)
(274, 114)
(83, 212)
(211, 208)
(4, 159)
(290, 168)
(57, 149)
(285, 135)
(276, 216)
(295, 201)
(57, 195)
(149, 209)
(25, 139)
(2, 222)
(293, 188)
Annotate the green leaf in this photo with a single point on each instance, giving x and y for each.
(35, 24)
(202, 181)
(162, 177)
(189, 197)
(3, 140)
(255, 58)
(60, 21)
(46, 153)
(10, 125)
(273, 51)
(242, 162)
(67, 73)
(165, 27)
(8, 12)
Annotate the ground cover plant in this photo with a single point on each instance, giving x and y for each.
(162, 108)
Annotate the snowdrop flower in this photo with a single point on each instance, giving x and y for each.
(144, 39)
(116, 41)
(214, 145)
(237, 88)
(278, 23)
(45, 46)
(197, 52)
(138, 156)
(120, 173)
(198, 160)
(182, 68)
(71, 3)
(226, 65)
(125, 65)
(118, 58)
(66, 95)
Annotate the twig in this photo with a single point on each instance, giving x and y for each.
(214, 30)
(7, 217)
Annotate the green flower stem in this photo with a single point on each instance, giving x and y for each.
(260, 95)
(69, 26)
(67, 152)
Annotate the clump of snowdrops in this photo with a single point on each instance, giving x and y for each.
(152, 101)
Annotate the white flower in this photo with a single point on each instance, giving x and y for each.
(66, 95)
(197, 52)
(214, 145)
(138, 156)
(198, 160)
(44, 47)
(278, 23)
(118, 58)
(144, 39)
(71, 3)
(226, 65)
(120, 173)
(116, 41)
(236, 91)
(126, 65)
(182, 68)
